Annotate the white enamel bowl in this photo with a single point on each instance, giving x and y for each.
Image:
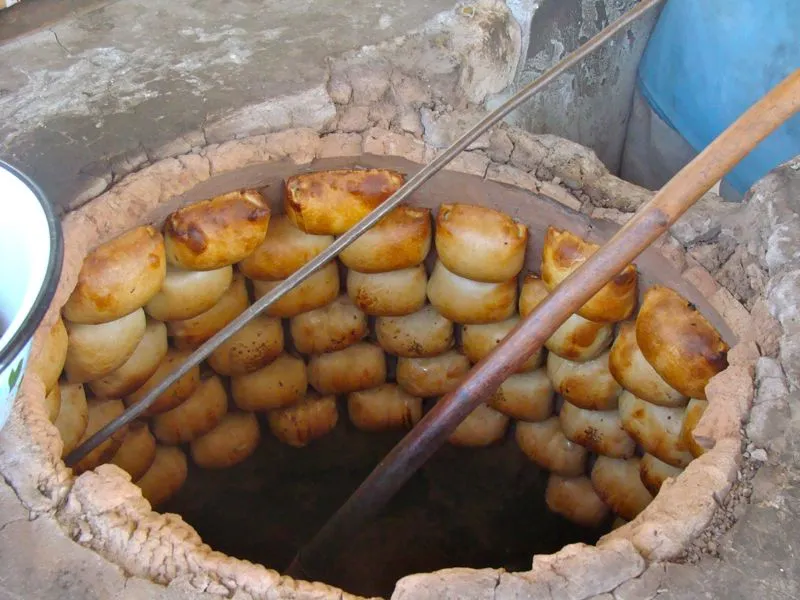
(31, 253)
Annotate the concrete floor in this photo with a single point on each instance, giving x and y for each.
(130, 80)
(124, 83)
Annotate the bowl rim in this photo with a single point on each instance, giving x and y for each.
(51, 277)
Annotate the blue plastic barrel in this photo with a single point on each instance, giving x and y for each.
(707, 61)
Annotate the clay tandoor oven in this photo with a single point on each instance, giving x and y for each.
(602, 443)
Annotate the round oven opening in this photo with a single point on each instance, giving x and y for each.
(524, 478)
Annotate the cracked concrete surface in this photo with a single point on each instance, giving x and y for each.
(122, 83)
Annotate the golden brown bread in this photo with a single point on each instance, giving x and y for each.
(198, 414)
(94, 351)
(137, 452)
(483, 427)
(467, 301)
(580, 339)
(305, 421)
(49, 362)
(229, 443)
(480, 243)
(599, 431)
(166, 475)
(73, 416)
(531, 294)
(333, 327)
(694, 410)
(281, 383)
(617, 482)
(680, 344)
(422, 334)
(218, 232)
(190, 334)
(655, 472)
(358, 367)
(477, 341)
(186, 294)
(384, 408)
(331, 202)
(176, 393)
(118, 277)
(101, 412)
(525, 396)
(545, 444)
(434, 376)
(574, 498)
(656, 428)
(564, 252)
(52, 403)
(284, 250)
(255, 345)
(319, 289)
(586, 384)
(632, 371)
(577, 339)
(400, 240)
(141, 365)
(390, 294)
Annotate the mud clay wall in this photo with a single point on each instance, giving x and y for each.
(744, 261)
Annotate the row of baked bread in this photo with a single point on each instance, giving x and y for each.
(177, 293)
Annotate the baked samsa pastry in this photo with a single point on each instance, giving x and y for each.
(301, 423)
(186, 294)
(331, 202)
(587, 384)
(632, 371)
(599, 431)
(545, 444)
(402, 239)
(384, 408)
(564, 252)
(217, 232)
(480, 243)
(422, 334)
(466, 301)
(482, 427)
(284, 250)
(94, 351)
(619, 485)
(118, 277)
(680, 344)
(577, 339)
(656, 428)
(574, 498)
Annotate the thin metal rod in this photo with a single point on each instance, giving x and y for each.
(423, 175)
(650, 222)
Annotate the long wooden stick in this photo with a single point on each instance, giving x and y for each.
(650, 222)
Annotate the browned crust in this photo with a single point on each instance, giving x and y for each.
(330, 202)
(218, 232)
(564, 252)
(118, 277)
(680, 344)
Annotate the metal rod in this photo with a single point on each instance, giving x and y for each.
(650, 222)
(423, 175)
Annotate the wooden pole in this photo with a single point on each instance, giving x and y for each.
(650, 222)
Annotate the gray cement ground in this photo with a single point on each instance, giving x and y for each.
(136, 79)
(116, 87)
